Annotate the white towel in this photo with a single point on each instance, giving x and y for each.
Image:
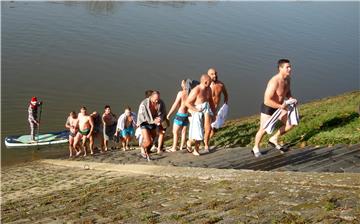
(293, 116)
(221, 116)
(196, 128)
(138, 135)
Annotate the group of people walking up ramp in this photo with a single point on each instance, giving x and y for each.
(198, 113)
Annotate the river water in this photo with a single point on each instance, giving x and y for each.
(70, 54)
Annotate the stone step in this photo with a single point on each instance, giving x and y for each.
(319, 154)
(334, 157)
(272, 158)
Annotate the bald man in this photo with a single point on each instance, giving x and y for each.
(202, 108)
(217, 88)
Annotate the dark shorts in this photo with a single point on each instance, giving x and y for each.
(148, 126)
(72, 134)
(109, 131)
(267, 110)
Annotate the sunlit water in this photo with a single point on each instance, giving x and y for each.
(71, 54)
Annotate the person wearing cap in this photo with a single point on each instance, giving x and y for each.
(32, 118)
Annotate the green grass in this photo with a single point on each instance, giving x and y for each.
(329, 121)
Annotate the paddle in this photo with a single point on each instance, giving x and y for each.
(38, 131)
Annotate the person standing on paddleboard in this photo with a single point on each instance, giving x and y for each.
(32, 118)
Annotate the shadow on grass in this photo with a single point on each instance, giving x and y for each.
(327, 125)
(236, 135)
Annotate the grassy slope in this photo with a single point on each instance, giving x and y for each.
(327, 121)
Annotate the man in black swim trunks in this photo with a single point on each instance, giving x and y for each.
(277, 91)
(151, 114)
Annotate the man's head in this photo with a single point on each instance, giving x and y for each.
(155, 96)
(148, 93)
(83, 110)
(73, 114)
(127, 111)
(205, 80)
(94, 114)
(284, 67)
(213, 74)
(34, 101)
(107, 109)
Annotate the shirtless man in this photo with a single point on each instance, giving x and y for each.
(86, 126)
(181, 120)
(217, 88)
(151, 114)
(109, 123)
(277, 91)
(72, 123)
(200, 103)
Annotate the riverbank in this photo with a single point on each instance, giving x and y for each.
(86, 192)
(328, 121)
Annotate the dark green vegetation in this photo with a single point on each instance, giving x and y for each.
(333, 120)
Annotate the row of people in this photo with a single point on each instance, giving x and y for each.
(196, 108)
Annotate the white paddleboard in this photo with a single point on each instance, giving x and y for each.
(42, 139)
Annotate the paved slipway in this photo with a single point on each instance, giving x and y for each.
(339, 159)
(223, 186)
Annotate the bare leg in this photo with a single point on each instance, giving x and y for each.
(160, 140)
(260, 133)
(84, 145)
(196, 148)
(127, 140)
(176, 129)
(207, 127)
(91, 144)
(146, 140)
(189, 145)
(285, 128)
(212, 132)
(183, 137)
(76, 144)
(71, 142)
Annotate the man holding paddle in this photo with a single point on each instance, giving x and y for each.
(32, 118)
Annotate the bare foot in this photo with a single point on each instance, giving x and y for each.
(71, 156)
(206, 150)
(195, 153)
(171, 150)
(78, 153)
(188, 147)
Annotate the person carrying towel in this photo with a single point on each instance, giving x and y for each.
(201, 106)
(277, 91)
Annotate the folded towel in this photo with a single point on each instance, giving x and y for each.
(221, 116)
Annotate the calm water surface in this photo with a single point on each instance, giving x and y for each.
(95, 53)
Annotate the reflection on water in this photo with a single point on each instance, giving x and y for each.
(69, 56)
(101, 7)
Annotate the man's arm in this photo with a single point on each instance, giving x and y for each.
(288, 94)
(211, 102)
(269, 93)
(226, 97)
(175, 104)
(67, 124)
(189, 103)
(91, 122)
